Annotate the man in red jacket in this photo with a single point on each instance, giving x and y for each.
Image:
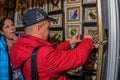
(52, 61)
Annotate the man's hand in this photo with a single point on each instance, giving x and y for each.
(75, 39)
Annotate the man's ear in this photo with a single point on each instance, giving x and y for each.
(38, 27)
(1, 33)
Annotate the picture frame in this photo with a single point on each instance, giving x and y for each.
(76, 71)
(58, 22)
(72, 29)
(11, 14)
(21, 8)
(11, 4)
(41, 4)
(72, 2)
(90, 14)
(91, 63)
(56, 36)
(90, 77)
(54, 5)
(89, 1)
(93, 31)
(73, 14)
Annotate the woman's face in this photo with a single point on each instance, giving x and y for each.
(8, 30)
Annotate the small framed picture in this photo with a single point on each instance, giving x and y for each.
(90, 77)
(54, 5)
(11, 14)
(41, 4)
(76, 71)
(56, 36)
(89, 1)
(11, 4)
(58, 22)
(93, 32)
(73, 14)
(91, 63)
(90, 14)
(72, 2)
(21, 7)
(72, 29)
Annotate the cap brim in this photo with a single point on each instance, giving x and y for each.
(51, 19)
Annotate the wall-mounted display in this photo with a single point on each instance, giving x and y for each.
(90, 14)
(72, 29)
(73, 14)
(94, 33)
(58, 22)
(56, 36)
(41, 4)
(54, 5)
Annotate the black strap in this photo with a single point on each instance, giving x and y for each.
(34, 73)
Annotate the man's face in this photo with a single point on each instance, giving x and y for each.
(8, 29)
(45, 30)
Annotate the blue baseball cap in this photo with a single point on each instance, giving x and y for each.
(33, 16)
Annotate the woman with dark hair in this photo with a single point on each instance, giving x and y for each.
(7, 38)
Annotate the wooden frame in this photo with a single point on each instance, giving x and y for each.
(101, 39)
(94, 33)
(90, 14)
(56, 36)
(21, 8)
(89, 1)
(71, 2)
(72, 29)
(73, 14)
(54, 5)
(58, 22)
(41, 4)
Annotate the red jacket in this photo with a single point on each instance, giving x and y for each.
(52, 61)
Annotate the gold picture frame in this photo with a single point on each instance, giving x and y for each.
(41, 4)
(54, 5)
(73, 14)
(72, 2)
(58, 22)
(89, 1)
(72, 29)
(92, 30)
(56, 36)
(90, 14)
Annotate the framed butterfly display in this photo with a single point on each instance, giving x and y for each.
(90, 14)
(41, 4)
(54, 5)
